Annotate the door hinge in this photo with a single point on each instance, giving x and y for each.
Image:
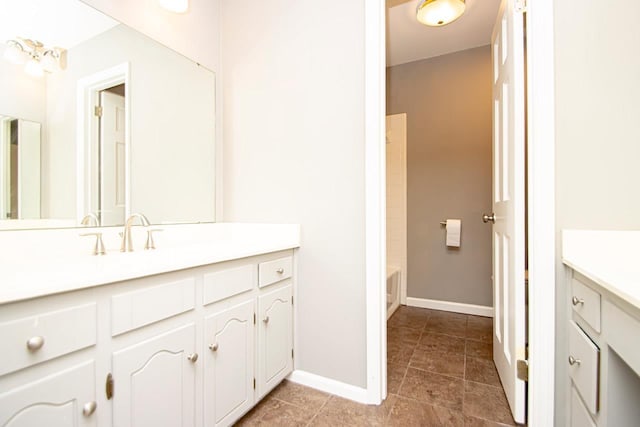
(292, 353)
(254, 383)
(109, 386)
(522, 367)
(291, 299)
(254, 318)
(521, 6)
(97, 111)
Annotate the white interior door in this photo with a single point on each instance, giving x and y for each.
(112, 159)
(508, 202)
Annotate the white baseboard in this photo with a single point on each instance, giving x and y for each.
(348, 391)
(455, 307)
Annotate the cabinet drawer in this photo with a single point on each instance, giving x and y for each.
(38, 338)
(132, 310)
(227, 283)
(586, 302)
(270, 272)
(583, 366)
(579, 414)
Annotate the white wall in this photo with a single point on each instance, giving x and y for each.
(293, 74)
(597, 133)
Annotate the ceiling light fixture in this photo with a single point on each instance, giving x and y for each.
(177, 6)
(36, 57)
(436, 13)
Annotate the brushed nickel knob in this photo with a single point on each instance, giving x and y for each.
(35, 343)
(266, 319)
(574, 361)
(193, 358)
(489, 218)
(213, 347)
(577, 301)
(280, 270)
(89, 408)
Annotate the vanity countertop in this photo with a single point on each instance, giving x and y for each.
(609, 258)
(34, 263)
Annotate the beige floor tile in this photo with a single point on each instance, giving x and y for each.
(399, 353)
(432, 388)
(343, 412)
(486, 402)
(408, 319)
(439, 362)
(481, 349)
(454, 326)
(409, 413)
(479, 422)
(481, 371)
(300, 395)
(395, 376)
(438, 342)
(404, 334)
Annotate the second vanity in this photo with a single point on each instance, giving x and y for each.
(194, 333)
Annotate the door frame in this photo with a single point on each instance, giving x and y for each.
(541, 207)
(87, 133)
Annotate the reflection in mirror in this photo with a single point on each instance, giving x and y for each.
(126, 124)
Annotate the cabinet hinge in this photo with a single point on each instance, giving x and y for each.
(522, 367)
(291, 299)
(292, 353)
(97, 111)
(254, 383)
(254, 318)
(109, 386)
(521, 6)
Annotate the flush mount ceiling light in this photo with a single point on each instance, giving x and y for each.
(177, 6)
(436, 13)
(36, 57)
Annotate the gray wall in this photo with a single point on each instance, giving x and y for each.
(448, 104)
(597, 70)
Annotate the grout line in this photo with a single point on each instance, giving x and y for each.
(319, 410)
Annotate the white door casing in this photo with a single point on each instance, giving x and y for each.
(508, 202)
(112, 159)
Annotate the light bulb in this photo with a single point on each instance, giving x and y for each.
(177, 6)
(33, 68)
(14, 54)
(436, 13)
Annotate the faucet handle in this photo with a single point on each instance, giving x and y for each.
(150, 244)
(98, 248)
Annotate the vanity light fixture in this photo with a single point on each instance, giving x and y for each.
(436, 13)
(177, 6)
(36, 57)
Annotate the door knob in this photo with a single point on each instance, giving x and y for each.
(489, 218)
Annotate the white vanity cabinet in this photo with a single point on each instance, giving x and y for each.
(194, 347)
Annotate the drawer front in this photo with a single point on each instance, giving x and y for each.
(227, 283)
(583, 366)
(586, 302)
(271, 272)
(579, 414)
(132, 310)
(38, 338)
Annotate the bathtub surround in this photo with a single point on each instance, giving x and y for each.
(448, 104)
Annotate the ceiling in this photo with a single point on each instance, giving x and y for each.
(408, 40)
(61, 23)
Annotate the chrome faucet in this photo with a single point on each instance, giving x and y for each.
(127, 245)
(89, 219)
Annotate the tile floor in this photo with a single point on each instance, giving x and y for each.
(440, 373)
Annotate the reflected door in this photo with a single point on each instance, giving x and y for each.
(112, 159)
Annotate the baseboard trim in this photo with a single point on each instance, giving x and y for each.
(348, 391)
(455, 307)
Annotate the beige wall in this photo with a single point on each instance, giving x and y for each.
(294, 103)
(448, 104)
(597, 133)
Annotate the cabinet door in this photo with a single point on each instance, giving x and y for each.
(275, 338)
(55, 401)
(229, 364)
(154, 381)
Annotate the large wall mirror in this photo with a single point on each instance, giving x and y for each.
(99, 120)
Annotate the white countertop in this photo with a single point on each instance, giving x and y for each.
(609, 258)
(35, 263)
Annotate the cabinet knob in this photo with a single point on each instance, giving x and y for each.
(35, 343)
(280, 271)
(193, 357)
(266, 319)
(574, 361)
(577, 301)
(213, 347)
(89, 408)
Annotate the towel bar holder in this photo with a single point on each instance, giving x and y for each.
(443, 223)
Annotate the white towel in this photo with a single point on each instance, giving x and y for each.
(454, 227)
